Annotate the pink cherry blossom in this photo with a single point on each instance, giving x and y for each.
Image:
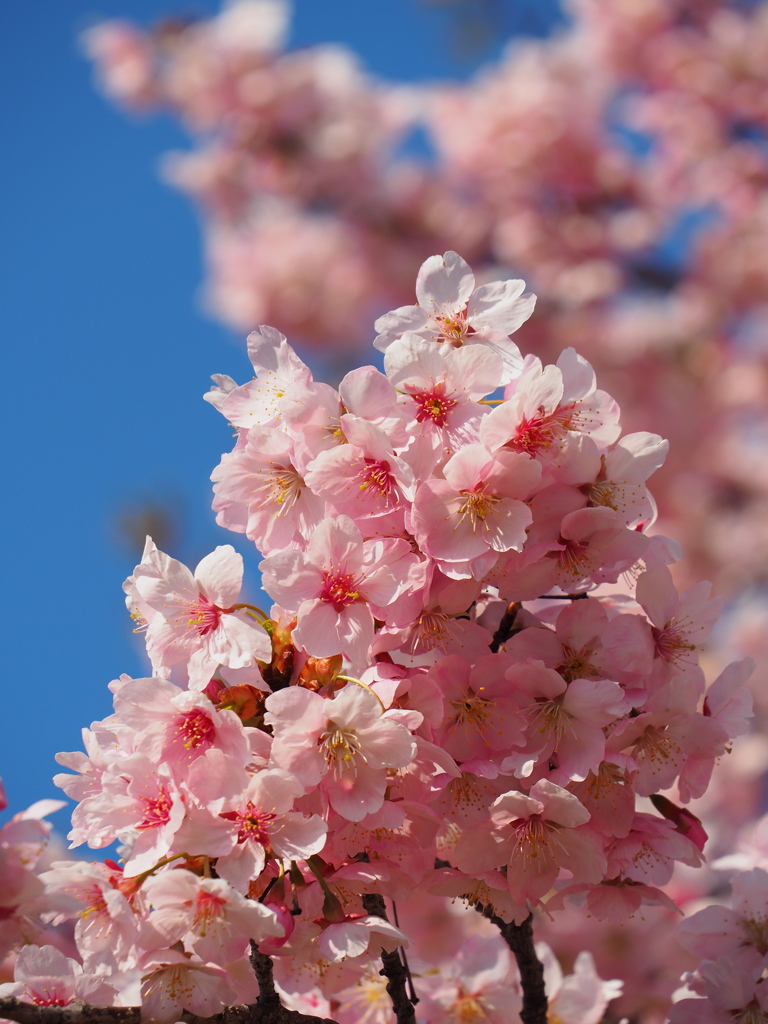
(440, 393)
(452, 312)
(480, 983)
(194, 619)
(681, 623)
(277, 367)
(534, 836)
(363, 478)
(545, 404)
(332, 587)
(581, 997)
(171, 983)
(260, 492)
(260, 823)
(45, 977)
(350, 743)
(212, 918)
(478, 507)
(107, 926)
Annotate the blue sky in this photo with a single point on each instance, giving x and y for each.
(108, 353)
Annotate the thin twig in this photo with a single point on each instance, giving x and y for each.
(411, 988)
(506, 627)
(393, 968)
(519, 938)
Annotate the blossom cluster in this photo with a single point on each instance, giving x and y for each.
(475, 680)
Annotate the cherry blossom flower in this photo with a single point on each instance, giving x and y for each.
(355, 744)
(212, 918)
(718, 931)
(546, 404)
(45, 977)
(480, 984)
(452, 312)
(534, 836)
(581, 997)
(332, 587)
(277, 367)
(480, 715)
(172, 983)
(258, 824)
(106, 930)
(565, 720)
(355, 936)
(177, 726)
(476, 508)
(440, 393)
(194, 619)
(681, 623)
(363, 478)
(260, 492)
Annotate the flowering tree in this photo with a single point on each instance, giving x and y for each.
(476, 678)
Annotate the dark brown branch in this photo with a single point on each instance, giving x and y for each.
(262, 968)
(393, 968)
(77, 1012)
(519, 938)
(83, 1013)
(506, 627)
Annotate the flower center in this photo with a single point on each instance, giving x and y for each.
(253, 824)
(603, 494)
(157, 810)
(549, 718)
(476, 506)
(195, 729)
(202, 616)
(434, 404)
(428, 632)
(467, 1009)
(340, 748)
(472, 710)
(283, 486)
(377, 476)
(608, 780)
(756, 930)
(340, 589)
(534, 842)
(671, 642)
(96, 905)
(540, 432)
(47, 998)
(573, 559)
(577, 664)
(655, 746)
(752, 1015)
(453, 327)
(208, 907)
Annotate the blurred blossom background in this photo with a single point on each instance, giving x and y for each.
(175, 176)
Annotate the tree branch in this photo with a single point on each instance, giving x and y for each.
(262, 968)
(393, 968)
(506, 627)
(83, 1013)
(519, 938)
